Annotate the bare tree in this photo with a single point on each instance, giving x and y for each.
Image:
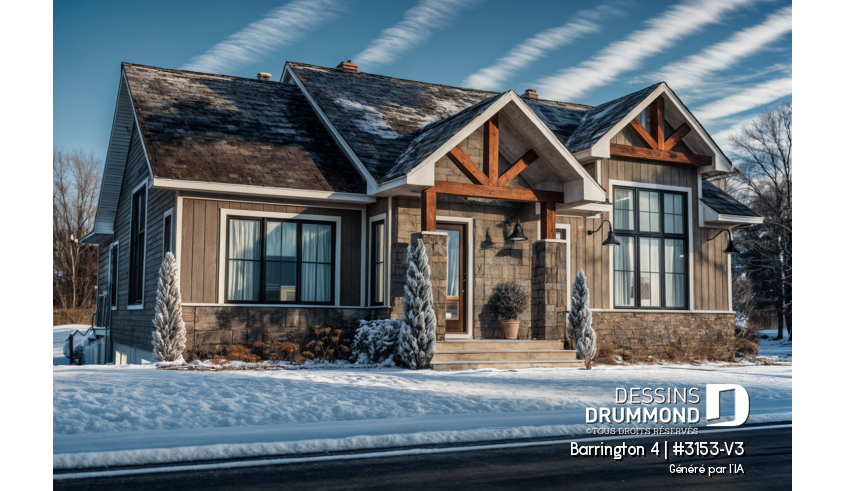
(76, 186)
(762, 152)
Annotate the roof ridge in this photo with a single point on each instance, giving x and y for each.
(467, 89)
(176, 70)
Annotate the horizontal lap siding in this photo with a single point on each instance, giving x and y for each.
(200, 267)
(709, 268)
(134, 327)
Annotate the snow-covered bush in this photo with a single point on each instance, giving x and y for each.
(169, 335)
(508, 300)
(84, 346)
(415, 346)
(375, 341)
(580, 326)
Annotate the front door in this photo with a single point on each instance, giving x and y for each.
(456, 276)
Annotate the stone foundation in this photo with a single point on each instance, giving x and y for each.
(213, 327)
(662, 334)
(548, 290)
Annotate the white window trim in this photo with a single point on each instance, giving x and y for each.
(116, 278)
(690, 241)
(470, 273)
(168, 213)
(386, 246)
(224, 214)
(140, 306)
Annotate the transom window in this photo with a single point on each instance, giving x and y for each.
(650, 266)
(279, 261)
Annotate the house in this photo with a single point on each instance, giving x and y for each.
(290, 204)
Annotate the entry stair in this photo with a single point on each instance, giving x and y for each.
(473, 354)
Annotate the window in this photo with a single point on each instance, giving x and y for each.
(377, 263)
(167, 233)
(650, 265)
(120, 358)
(137, 246)
(113, 256)
(279, 261)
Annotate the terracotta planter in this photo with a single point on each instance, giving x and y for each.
(510, 329)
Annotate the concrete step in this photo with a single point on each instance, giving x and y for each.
(504, 364)
(511, 355)
(497, 345)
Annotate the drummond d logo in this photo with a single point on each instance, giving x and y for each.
(663, 405)
(742, 404)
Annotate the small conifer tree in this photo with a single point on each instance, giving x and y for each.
(169, 335)
(580, 326)
(415, 345)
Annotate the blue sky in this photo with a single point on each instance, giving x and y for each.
(727, 59)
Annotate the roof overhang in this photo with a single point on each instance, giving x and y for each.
(711, 217)
(575, 182)
(676, 114)
(253, 190)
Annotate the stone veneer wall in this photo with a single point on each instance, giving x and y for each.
(661, 333)
(212, 327)
(494, 258)
(548, 290)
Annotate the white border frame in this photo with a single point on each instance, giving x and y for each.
(145, 185)
(378, 218)
(168, 213)
(116, 276)
(690, 242)
(224, 214)
(469, 222)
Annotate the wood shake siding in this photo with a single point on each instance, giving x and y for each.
(134, 327)
(200, 269)
(709, 268)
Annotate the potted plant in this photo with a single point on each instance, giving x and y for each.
(508, 301)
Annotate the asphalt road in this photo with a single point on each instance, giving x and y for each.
(767, 463)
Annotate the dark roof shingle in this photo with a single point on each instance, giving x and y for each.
(722, 202)
(234, 130)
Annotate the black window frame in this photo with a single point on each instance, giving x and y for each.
(262, 295)
(373, 301)
(137, 246)
(636, 234)
(167, 234)
(114, 262)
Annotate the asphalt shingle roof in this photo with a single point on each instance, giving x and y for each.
(219, 128)
(722, 202)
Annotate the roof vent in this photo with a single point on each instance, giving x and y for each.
(264, 76)
(530, 94)
(348, 66)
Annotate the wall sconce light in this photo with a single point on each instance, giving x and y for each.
(731, 249)
(611, 237)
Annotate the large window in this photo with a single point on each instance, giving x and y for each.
(650, 265)
(377, 272)
(137, 244)
(279, 261)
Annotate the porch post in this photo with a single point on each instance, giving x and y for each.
(548, 289)
(435, 249)
(428, 210)
(547, 220)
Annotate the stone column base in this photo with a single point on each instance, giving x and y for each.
(548, 289)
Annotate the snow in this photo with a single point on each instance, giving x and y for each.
(774, 351)
(60, 335)
(120, 415)
(370, 119)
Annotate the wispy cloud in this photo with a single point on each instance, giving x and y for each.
(538, 46)
(660, 33)
(744, 100)
(416, 26)
(692, 71)
(280, 27)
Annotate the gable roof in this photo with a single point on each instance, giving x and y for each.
(722, 202)
(223, 129)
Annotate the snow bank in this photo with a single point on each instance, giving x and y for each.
(771, 350)
(108, 415)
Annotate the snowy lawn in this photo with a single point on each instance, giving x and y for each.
(120, 415)
(774, 351)
(60, 335)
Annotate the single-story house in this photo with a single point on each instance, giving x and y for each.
(290, 204)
